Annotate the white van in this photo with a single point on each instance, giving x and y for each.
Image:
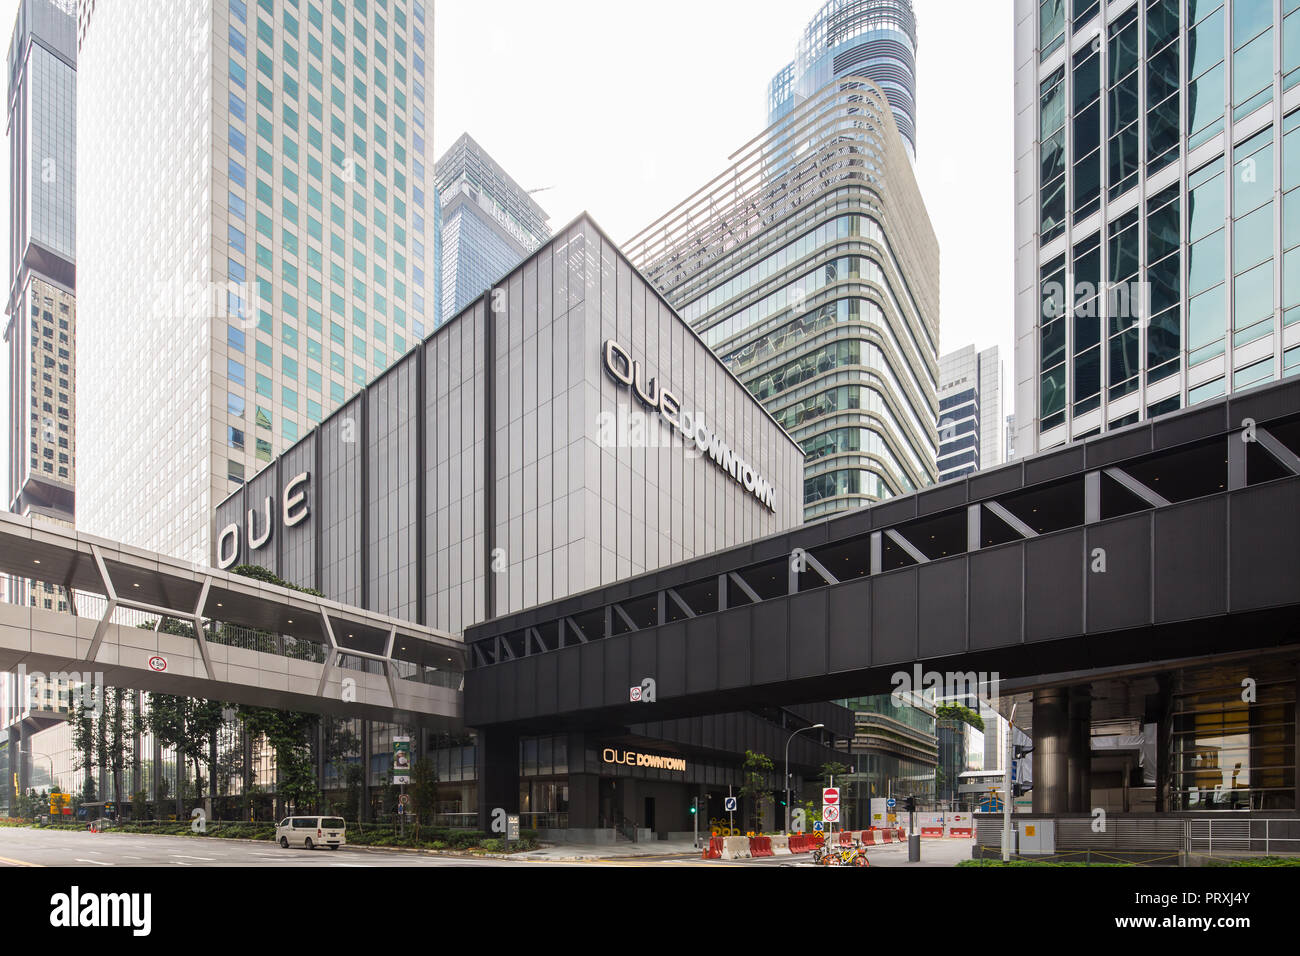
(311, 832)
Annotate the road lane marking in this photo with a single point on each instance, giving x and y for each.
(205, 859)
(5, 859)
(96, 862)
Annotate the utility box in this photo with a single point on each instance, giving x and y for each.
(1037, 837)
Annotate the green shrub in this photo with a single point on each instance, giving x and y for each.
(492, 846)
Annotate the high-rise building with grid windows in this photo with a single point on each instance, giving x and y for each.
(1158, 208)
(42, 305)
(488, 224)
(258, 238)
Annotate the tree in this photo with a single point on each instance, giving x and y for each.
(292, 736)
(959, 712)
(118, 740)
(754, 790)
(353, 777)
(833, 769)
(83, 742)
(424, 791)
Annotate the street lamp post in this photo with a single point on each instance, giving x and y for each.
(787, 771)
(32, 753)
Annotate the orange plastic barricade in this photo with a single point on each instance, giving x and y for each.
(714, 850)
(760, 846)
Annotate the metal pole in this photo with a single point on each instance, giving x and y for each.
(1006, 786)
(787, 771)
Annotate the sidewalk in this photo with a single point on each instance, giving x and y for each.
(578, 852)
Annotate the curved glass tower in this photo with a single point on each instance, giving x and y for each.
(871, 38)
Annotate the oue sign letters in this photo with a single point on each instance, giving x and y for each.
(631, 374)
(293, 511)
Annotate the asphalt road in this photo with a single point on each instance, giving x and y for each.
(21, 847)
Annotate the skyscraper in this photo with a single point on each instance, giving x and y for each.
(489, 223)
(1157, 225)
(970, 412)
(871, 38)
(816, 279)
(256, 188)
(42, 304)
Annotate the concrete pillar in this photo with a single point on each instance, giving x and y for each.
(1081, 749)
(365, 771)
(1051, 724)
(498, 775)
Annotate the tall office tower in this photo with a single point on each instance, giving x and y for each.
(1009, 441)
(257, 239)
(42, 304)
(811, 268)
(1158, 150)
(489, 223)
(871, 38)
(970, 412)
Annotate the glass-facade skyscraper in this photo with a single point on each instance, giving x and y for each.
(256, 185)
(489, 223)
(1158, 217)
(42, 304)
(871, 38)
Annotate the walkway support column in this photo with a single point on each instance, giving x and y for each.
(1051, 724)
(498, 775)
(1081, 749)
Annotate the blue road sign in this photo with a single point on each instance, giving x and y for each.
(818, 826)
(1013, 771)
(730, 805)
(891, 803)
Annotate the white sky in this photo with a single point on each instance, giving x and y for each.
(624, 109)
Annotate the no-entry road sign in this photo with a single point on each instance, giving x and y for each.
(831, 796)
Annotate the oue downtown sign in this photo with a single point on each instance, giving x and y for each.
(622, 369)
(293, 511)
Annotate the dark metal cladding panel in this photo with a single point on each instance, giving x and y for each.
(548, 683)
(702, 654)
(298, 544)
(1049, 467)
(526, 689)
(1276, 402)
(772, 641)
(670, 659)
(893, 617)
(569, 678)
(643, 653)
(1192, 560)
(853, 524)
(990, 484)
(1180, 429)
(941, 609)
(1131, 443)
(892, 513)
(735, 649)
(945, 497)
(507, 692)
(1054, 569)
(808, 633)
(1120, 597)
(591, 683)
(618, 677)
(480, 696)
(848, 615)
(996, 591)
(1265, 535)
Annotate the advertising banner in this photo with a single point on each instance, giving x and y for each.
(401, 760)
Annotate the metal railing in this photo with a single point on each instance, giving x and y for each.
(1165, 839)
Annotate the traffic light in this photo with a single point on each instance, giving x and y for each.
(695, 805)
(909, 804)
(1019, 789)
(1023, 752)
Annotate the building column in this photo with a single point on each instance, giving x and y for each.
(1158, 713)
(365, 771)
(1080, 744)
(498, 775)
(1051, 751)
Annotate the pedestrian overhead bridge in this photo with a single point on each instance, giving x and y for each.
(229, 637)
(1170, 539)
